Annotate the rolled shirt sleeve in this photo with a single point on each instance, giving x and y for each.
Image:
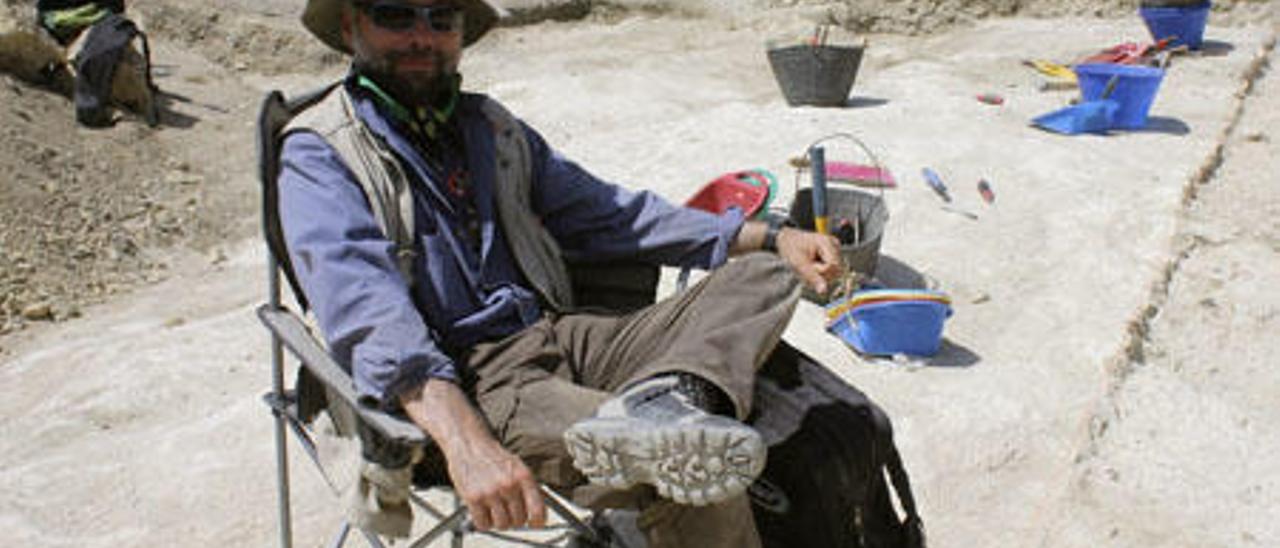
(347, 269)
(596, 220)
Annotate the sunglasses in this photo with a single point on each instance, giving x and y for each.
(397, 16)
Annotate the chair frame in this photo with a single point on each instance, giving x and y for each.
(289, 332)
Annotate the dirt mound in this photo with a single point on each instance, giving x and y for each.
(81, 208)
(264, 39)
(86, 214)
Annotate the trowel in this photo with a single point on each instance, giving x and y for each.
(1087, 117)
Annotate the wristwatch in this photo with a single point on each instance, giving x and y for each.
(774, 225)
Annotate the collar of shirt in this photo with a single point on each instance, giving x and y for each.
(425, 120)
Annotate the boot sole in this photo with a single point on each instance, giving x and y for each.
(705, 461)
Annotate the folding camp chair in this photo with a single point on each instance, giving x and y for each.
(322, 384)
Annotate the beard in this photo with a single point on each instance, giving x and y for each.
(411, 87)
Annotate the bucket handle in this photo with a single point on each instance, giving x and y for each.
(1110, 87)
(850, 280)
(801, 163)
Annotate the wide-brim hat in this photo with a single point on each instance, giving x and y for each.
(324, 19)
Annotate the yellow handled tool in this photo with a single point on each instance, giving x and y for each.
(818, 159)
(1052, 70)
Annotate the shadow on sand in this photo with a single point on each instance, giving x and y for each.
(1165, 124)
(1215, 48)
(865, 102)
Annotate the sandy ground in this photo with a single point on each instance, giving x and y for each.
(1106, 379)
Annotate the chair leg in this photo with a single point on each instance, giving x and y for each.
(423, 504)
(458, 531)
(277, 391)
(282, 476)
(373, 539)
(453, 523)
(341, 538)
(558, 506)
(282, 450)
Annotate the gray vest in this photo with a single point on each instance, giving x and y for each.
(387, 188)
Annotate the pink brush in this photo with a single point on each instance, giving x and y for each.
(860, 175)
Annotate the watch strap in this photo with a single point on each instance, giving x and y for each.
(774, 225)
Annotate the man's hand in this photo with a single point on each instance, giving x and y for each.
(496, 486)
(498, 489)
(815, 257)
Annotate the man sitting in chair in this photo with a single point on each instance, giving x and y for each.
(429, 229)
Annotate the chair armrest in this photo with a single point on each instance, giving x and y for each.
(289, 329)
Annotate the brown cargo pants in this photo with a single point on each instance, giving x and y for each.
(534, 385)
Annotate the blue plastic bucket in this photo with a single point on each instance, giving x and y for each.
(1135, 90)
(900, 327)
(1184, 23)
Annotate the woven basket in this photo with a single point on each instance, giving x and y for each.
(816, 75)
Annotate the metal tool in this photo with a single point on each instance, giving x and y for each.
(818, 159)
(990, 99)
(935, 183)
(984, 188)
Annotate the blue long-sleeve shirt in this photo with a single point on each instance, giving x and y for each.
(393, 338)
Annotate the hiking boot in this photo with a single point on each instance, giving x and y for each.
(654, 433)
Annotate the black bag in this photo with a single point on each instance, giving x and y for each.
(829, 450)
(96, 68)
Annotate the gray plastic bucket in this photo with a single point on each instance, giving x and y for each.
(866, 212)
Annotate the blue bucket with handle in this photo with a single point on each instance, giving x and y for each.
(1135, 90)
(1185, 24)
(899, 327)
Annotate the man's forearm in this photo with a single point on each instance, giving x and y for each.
(497, 487)
(750, 238)
(442, 409)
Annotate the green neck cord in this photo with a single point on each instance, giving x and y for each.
(422, 119)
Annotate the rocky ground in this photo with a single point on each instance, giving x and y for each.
(1115, 323)
(88, 213)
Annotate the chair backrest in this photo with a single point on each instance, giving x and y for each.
(275, 114)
